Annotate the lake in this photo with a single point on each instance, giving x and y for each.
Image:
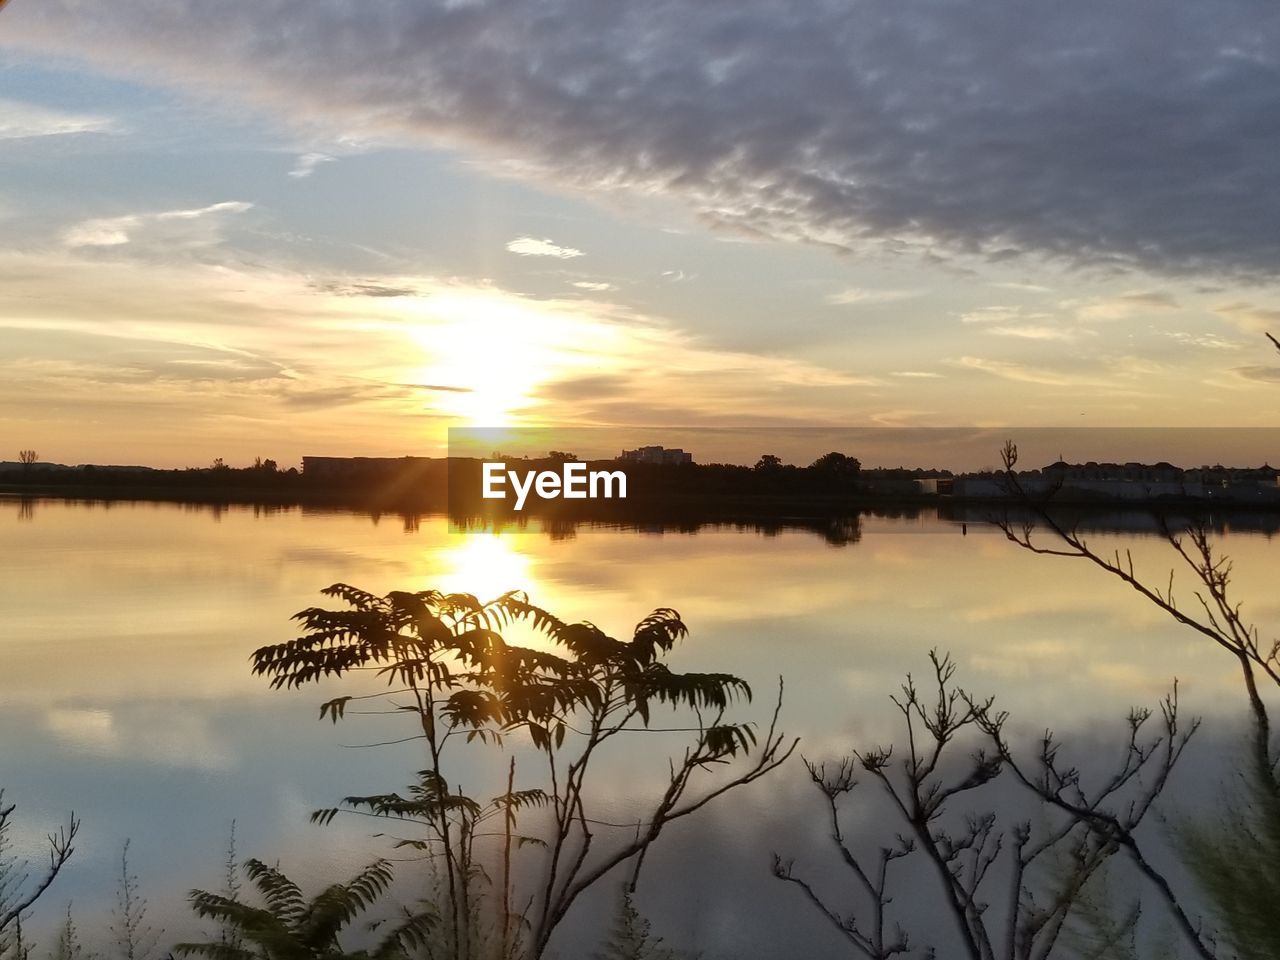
(126, 693)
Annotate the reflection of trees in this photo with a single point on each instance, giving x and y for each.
(27, 509)
(835, 530)
(842, 531)
(559, 530)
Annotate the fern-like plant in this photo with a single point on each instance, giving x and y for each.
(287, 926)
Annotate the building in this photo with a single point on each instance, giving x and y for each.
(656, 455)
(1162, 472)
(943, 486)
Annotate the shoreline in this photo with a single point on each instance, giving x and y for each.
(728, 507)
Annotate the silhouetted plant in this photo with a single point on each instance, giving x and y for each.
(229, 934)
(18, 890)
(68, 946)
(464, 684)
(1236, 861)
(1034, 876)
(289, 927)
(1220, 620)
(1104, 925)
(630, 938)
(133, 938)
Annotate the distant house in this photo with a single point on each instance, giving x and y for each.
(1140, 481)
(1131, 472)
(943, 486)
(656, 455)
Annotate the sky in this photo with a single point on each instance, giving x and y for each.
(280, 228)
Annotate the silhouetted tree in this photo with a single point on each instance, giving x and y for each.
(466, 684)
(18, 891)
(769, 462)
(981, 859)
(837, 463)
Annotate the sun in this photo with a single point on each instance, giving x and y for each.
(490, 355)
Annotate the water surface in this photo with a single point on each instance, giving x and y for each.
(126, 695)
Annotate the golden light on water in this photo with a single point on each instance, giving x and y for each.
(484, 564)
(488, 565)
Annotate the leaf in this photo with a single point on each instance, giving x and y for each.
(334, 708)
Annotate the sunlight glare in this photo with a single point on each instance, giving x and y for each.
(483, 564)
(496, 351)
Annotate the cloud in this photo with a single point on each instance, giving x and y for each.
(20, 121)
(916, 374)
(141, 733)
(999, 321)
(168, 227)
(347, 363)
(1033, 332)
(1024, 287)
(1208, 341)
(999, 315)
(859, 295)
(1250, 317)
(1259, 373)
(1094, 133)
(378, 290)
(1123, 306)
(229, 206)
(531, 247)
(594, 286)
(905, 418)
(102, 232)
(1018, 372)
(306, 164)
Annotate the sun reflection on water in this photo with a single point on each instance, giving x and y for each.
(482, 563)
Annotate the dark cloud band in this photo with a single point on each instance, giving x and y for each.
(1094, 132)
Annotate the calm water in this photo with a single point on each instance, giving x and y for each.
(125, 691)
